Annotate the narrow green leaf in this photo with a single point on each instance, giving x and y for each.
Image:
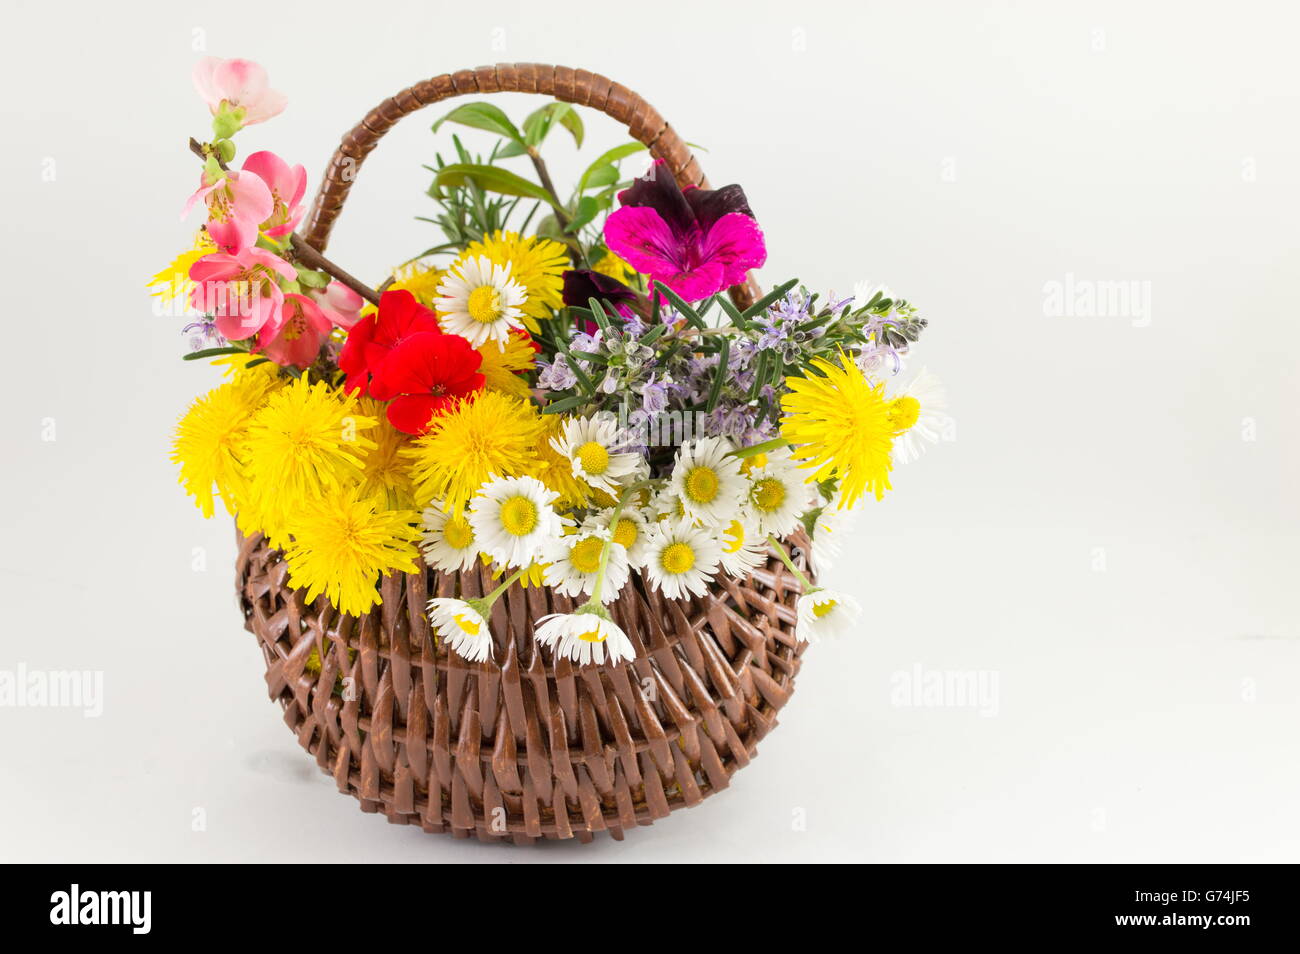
(760, 375)
(211, 353)
(482, 116)
(733, 313)
(565, 404)
(598, 313)
(492, 179)
(653, 334)
(774, 295)
(679, 303)
(719, 379)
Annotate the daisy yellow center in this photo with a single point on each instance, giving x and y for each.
(458, 533)
(469, 626)
(768, 494)
(519, 516)
(701, 484)
(592, 636)
(585, 555)
(594, 458)
(626, 532)
(735, 537)
(821, 609)
(484, 304)
(903, 412)
(677, 558)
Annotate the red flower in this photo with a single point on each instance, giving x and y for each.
(373, 338)
(424, 374)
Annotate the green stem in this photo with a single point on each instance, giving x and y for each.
(808, 587)
(775, 443)
(623, 498)
(496, 594)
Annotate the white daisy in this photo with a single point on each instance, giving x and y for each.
(511, 517)
(480, 302)
(666, 505)
(825, 613)
(585, 637)
(778, 495)
(708, 481)
(447, 540)
(682, 559)
(573, 562)
(633, 531)
(919, 410)
(588, 444)
(744, 549)
(462, 626)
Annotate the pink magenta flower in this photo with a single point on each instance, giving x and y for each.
(696, 241)
(339, 303)
(287, 185)
(241, 290)
(241, 85)
(238, 203)
(295, 337)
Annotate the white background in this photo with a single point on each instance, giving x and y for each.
(1103, 534)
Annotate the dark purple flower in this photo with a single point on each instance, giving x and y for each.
(696, 241)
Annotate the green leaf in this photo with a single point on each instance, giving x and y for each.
(564, 404)
(609, 158)
(492, 179)
(539, 123)
(511, 149)
(211, 353)
(720, 378)
(482, 116)
(310, 278)
(598, 313)
(653, 334)
(733, 313)
(687, 312)
(587, 210)
(571, 121)
(775, 294)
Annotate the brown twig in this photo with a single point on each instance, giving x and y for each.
(544, 176)
(314, 259)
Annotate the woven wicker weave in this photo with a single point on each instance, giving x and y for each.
(523, 746)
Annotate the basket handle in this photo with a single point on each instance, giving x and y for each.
(568, 85)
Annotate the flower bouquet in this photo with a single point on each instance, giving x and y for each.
(529, 531)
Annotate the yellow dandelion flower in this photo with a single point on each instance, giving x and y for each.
(536, 263)
(208, 438)
(840, 425)
(500, 365)
(554, 470)
(613, 266)
(386, 476)
(343, 542)
(306, 440)
(488, 434)
(173, 282)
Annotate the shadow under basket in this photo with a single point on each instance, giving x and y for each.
(523, 746)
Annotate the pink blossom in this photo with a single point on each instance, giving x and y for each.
(339, 303)
(238, 203)
(287, 185)
(241, 84)
(240, 290)
(696, 241)
(297, 334)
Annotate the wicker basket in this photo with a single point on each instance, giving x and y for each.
(523, 746)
